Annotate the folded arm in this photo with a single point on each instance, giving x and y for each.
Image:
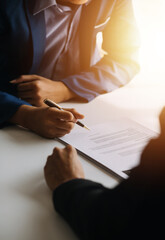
(120, 63)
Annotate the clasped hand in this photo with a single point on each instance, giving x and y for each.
(63, 165)
(34, 89)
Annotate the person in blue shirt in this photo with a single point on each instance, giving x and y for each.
(134, 209)
(49, 49)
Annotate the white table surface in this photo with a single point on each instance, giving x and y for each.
(26, 209)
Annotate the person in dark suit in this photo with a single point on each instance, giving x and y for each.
(134, 209)
(49, 49)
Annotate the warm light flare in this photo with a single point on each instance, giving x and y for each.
(151, 22)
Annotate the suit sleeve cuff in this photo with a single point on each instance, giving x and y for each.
(9, 104)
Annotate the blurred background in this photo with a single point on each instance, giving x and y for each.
(143, 98)
(150, 15)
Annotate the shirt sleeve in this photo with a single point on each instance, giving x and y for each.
(120, 62)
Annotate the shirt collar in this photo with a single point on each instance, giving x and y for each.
(41, 5)
(88, 2)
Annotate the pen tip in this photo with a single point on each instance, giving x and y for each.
(86, 127)
(45, 100)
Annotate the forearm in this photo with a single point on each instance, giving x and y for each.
(23, 116)
(106, 76)
(120, 63)
(71, 202)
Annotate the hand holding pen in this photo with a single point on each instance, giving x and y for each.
(50, 103)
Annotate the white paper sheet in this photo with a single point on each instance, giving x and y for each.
(116, 145)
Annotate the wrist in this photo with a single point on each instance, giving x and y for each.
(22, 116)
(65, 182)
(67, 93)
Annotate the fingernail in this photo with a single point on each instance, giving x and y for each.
(13, 81)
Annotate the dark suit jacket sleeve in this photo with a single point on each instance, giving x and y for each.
(120, 63)
(132, 210)
(95, 212)
(9, 104)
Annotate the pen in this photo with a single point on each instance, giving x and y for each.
(50, 103)
(128, 172)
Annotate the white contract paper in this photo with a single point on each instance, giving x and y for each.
(116, 146)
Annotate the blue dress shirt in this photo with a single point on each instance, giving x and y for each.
(59, 21)
(59, 42)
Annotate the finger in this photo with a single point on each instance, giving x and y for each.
(68, 147)
(70, 150)
(26, 95)
(54, 132)
(65, 125)
(58, 114)
(162, 122)
(58, 153)
(60, 133)
(23, 87)
(56, 150)
(76, 114)
(49, 158)
(25, 78)
(52, 158)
